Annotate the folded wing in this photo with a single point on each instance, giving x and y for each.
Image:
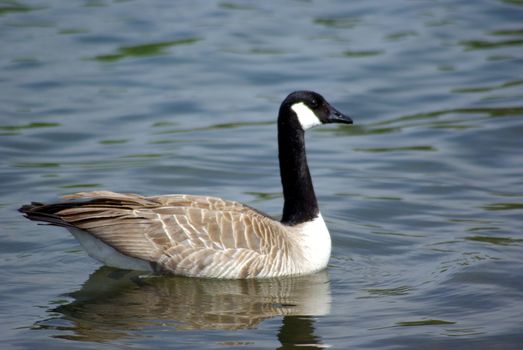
(182, 234)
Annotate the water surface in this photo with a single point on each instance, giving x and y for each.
(423, 195)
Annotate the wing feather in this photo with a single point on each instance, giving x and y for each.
(188, 235)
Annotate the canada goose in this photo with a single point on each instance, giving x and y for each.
(203, 236)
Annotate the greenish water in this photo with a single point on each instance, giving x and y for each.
(423, 195)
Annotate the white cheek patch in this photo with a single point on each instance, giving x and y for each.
(305, 115)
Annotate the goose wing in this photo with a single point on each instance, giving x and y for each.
(183, 234)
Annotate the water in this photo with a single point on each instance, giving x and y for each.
(423, 195)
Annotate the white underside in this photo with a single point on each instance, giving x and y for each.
(106, 254)
(313, 243)
(316, 242)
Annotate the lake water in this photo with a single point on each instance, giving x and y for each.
(423, 195)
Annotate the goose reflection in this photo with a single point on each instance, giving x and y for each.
(115, 304)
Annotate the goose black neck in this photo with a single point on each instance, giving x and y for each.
(300, 204)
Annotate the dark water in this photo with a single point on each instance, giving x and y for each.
(423, 196)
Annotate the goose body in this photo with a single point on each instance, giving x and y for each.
(204, 236)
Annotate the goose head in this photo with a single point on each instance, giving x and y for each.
(311, 109)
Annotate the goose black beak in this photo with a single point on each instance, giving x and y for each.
(336, 116)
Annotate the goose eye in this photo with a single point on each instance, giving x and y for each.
(314, 103)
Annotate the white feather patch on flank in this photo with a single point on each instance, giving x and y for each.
(108, 255)
(306, 116)
(316, 241)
